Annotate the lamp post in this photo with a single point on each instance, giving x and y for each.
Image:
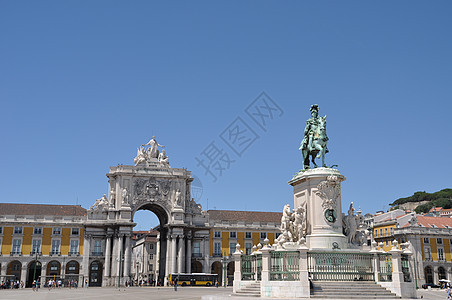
(224, 261)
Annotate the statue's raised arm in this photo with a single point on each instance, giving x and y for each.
(314, 143)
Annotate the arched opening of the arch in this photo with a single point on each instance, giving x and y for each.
(149, 245)
(33, 272)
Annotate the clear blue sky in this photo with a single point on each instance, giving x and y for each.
(84, 83)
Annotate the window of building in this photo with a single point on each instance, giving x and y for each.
(151, 256)
(17, 243)
(277, 235)
(37, 230)
(440, 254)
(55, 246)
(427, 253)
(439, 241)
(151, 246)
(196, 249)
(75, 231)
(426, 241)
(18, 230)
(248, 248)
(1, 230)
(376, 232)
(386, 231)
(381, 232)
(248, 234)
(263, 235)
(233, 234)
(74, 247)
(36, 246)
(151, 267)
(56, 231)
(217, 234)
(97, 247)
(391, 230)
(217, 248)
(232, 248)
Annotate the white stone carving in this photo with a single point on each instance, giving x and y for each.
(293, 226)
(354, 227)
(153, 151)
(164, 159)
(125, 196)
(329, 190)
(100, 203)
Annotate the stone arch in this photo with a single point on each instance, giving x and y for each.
(14, 268)
(72, 270)
(53, 269)
(163, 215)
(196, 266)
(217, 268)
(442, 273)
(33, 273)
(428, 273)
(160, 211)
(95, 273)
(230, 273)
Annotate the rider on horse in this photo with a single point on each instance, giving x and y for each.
(309, 145)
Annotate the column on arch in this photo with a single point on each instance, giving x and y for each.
(181, 255)
(114, 257)
(128, 256)
(189, 251)
(173, 253)
(120, 254)
(107, 270)
(86, 254)
(168, 256)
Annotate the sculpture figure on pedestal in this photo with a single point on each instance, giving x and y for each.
(100, 203)
(153, 151)
(293, 226)
(141, 156)
(354, 226)
(125, 196)
(314, 143)
(164, 159)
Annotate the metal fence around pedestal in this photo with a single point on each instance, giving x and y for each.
(252, 267)
(334, 266)
(384, 263)
(284, 266)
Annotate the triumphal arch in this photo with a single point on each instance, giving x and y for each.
(150, 184)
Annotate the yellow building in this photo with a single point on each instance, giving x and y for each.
(430, 238)
(229, 228)
(41, 241)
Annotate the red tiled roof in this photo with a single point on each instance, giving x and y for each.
(41, 209)
(439, 222)
(245, 216)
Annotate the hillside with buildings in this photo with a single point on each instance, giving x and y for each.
(423, 202)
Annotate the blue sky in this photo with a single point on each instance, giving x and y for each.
(84, 83)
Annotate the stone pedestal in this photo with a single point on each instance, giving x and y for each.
(319, 192)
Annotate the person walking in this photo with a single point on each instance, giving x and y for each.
(175, 284)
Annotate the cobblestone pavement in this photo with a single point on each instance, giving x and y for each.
(151, 293)
(144, 293)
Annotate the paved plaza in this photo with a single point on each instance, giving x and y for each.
(160, 293)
